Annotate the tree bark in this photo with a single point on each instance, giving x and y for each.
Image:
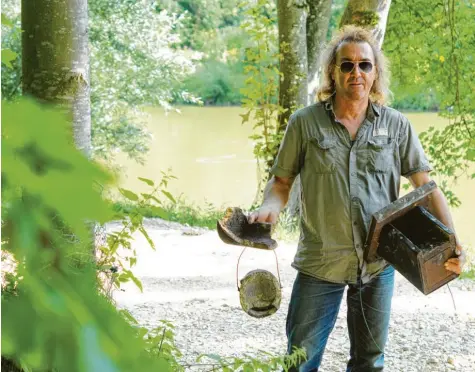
(292, 15)
(318, 19)
(55, 60)
(293, 86)
(371, 14)
(55, 65)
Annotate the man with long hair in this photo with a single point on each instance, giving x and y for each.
(350, 151)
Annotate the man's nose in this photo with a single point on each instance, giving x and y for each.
(356, 70)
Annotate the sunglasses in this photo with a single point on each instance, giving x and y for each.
(347, 67)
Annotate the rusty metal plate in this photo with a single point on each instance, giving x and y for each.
(234, 229)
(398, 208)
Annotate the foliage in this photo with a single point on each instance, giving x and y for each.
(212, 28)
(205, 22)
(416, 101)
(431, 48)
(262, 82)
(115, 255)
(134, 62)
(217, 82)
(469, 267)
(11, 50)
(181, 211)
(57, 319)
(337, 9)
(263, 362)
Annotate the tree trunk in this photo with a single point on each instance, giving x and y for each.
(372, 14)
(292, 16)
(318, 19)
(55, 60)
(293, 87)
(55, 64)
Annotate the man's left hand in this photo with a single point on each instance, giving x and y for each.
(455, 264)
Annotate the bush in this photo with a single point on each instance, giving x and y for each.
(217, 83)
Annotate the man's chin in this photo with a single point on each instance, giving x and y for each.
(357, 96)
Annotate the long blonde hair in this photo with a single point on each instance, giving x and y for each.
(380, 92)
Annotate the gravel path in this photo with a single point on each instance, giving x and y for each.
(191, 280)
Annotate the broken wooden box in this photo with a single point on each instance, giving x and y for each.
(412, 240)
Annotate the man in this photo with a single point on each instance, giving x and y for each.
(350, 151)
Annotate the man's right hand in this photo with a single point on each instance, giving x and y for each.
(264, 215)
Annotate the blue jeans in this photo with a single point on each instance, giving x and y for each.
(313, 310)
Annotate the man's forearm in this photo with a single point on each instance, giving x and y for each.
(276, 193)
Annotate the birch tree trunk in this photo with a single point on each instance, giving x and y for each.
(372, 14)
(55, 60)
(318, 19)
(292, 16)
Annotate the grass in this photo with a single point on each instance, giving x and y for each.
(181, 212)
(189, 214)
(469, 268)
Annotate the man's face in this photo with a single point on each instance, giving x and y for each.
(356, 84)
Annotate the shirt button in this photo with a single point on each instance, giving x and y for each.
(355, 223)
(353, 174)
(358, 246)
(355, 199)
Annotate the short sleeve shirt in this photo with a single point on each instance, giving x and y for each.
(343, 183)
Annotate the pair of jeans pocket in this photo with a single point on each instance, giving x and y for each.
(380, 154)
(321, 155)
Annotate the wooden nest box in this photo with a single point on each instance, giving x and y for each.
(412, 240)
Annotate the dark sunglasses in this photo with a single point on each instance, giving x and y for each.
(364, 66)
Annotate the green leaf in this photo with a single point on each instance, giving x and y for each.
(471, 154)
(169, 196)
(245, 117)
(145, 234)
(6, 21)
(8, 56)
(127, 315)
(158, 211)
(129, 194)
(147, 181)
(150, 196)
(136, 281)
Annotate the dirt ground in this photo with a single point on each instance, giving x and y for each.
(190, 280)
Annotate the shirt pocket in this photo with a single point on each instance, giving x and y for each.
(380, 155)
(321, 155)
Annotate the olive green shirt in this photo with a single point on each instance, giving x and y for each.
(344, 183)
